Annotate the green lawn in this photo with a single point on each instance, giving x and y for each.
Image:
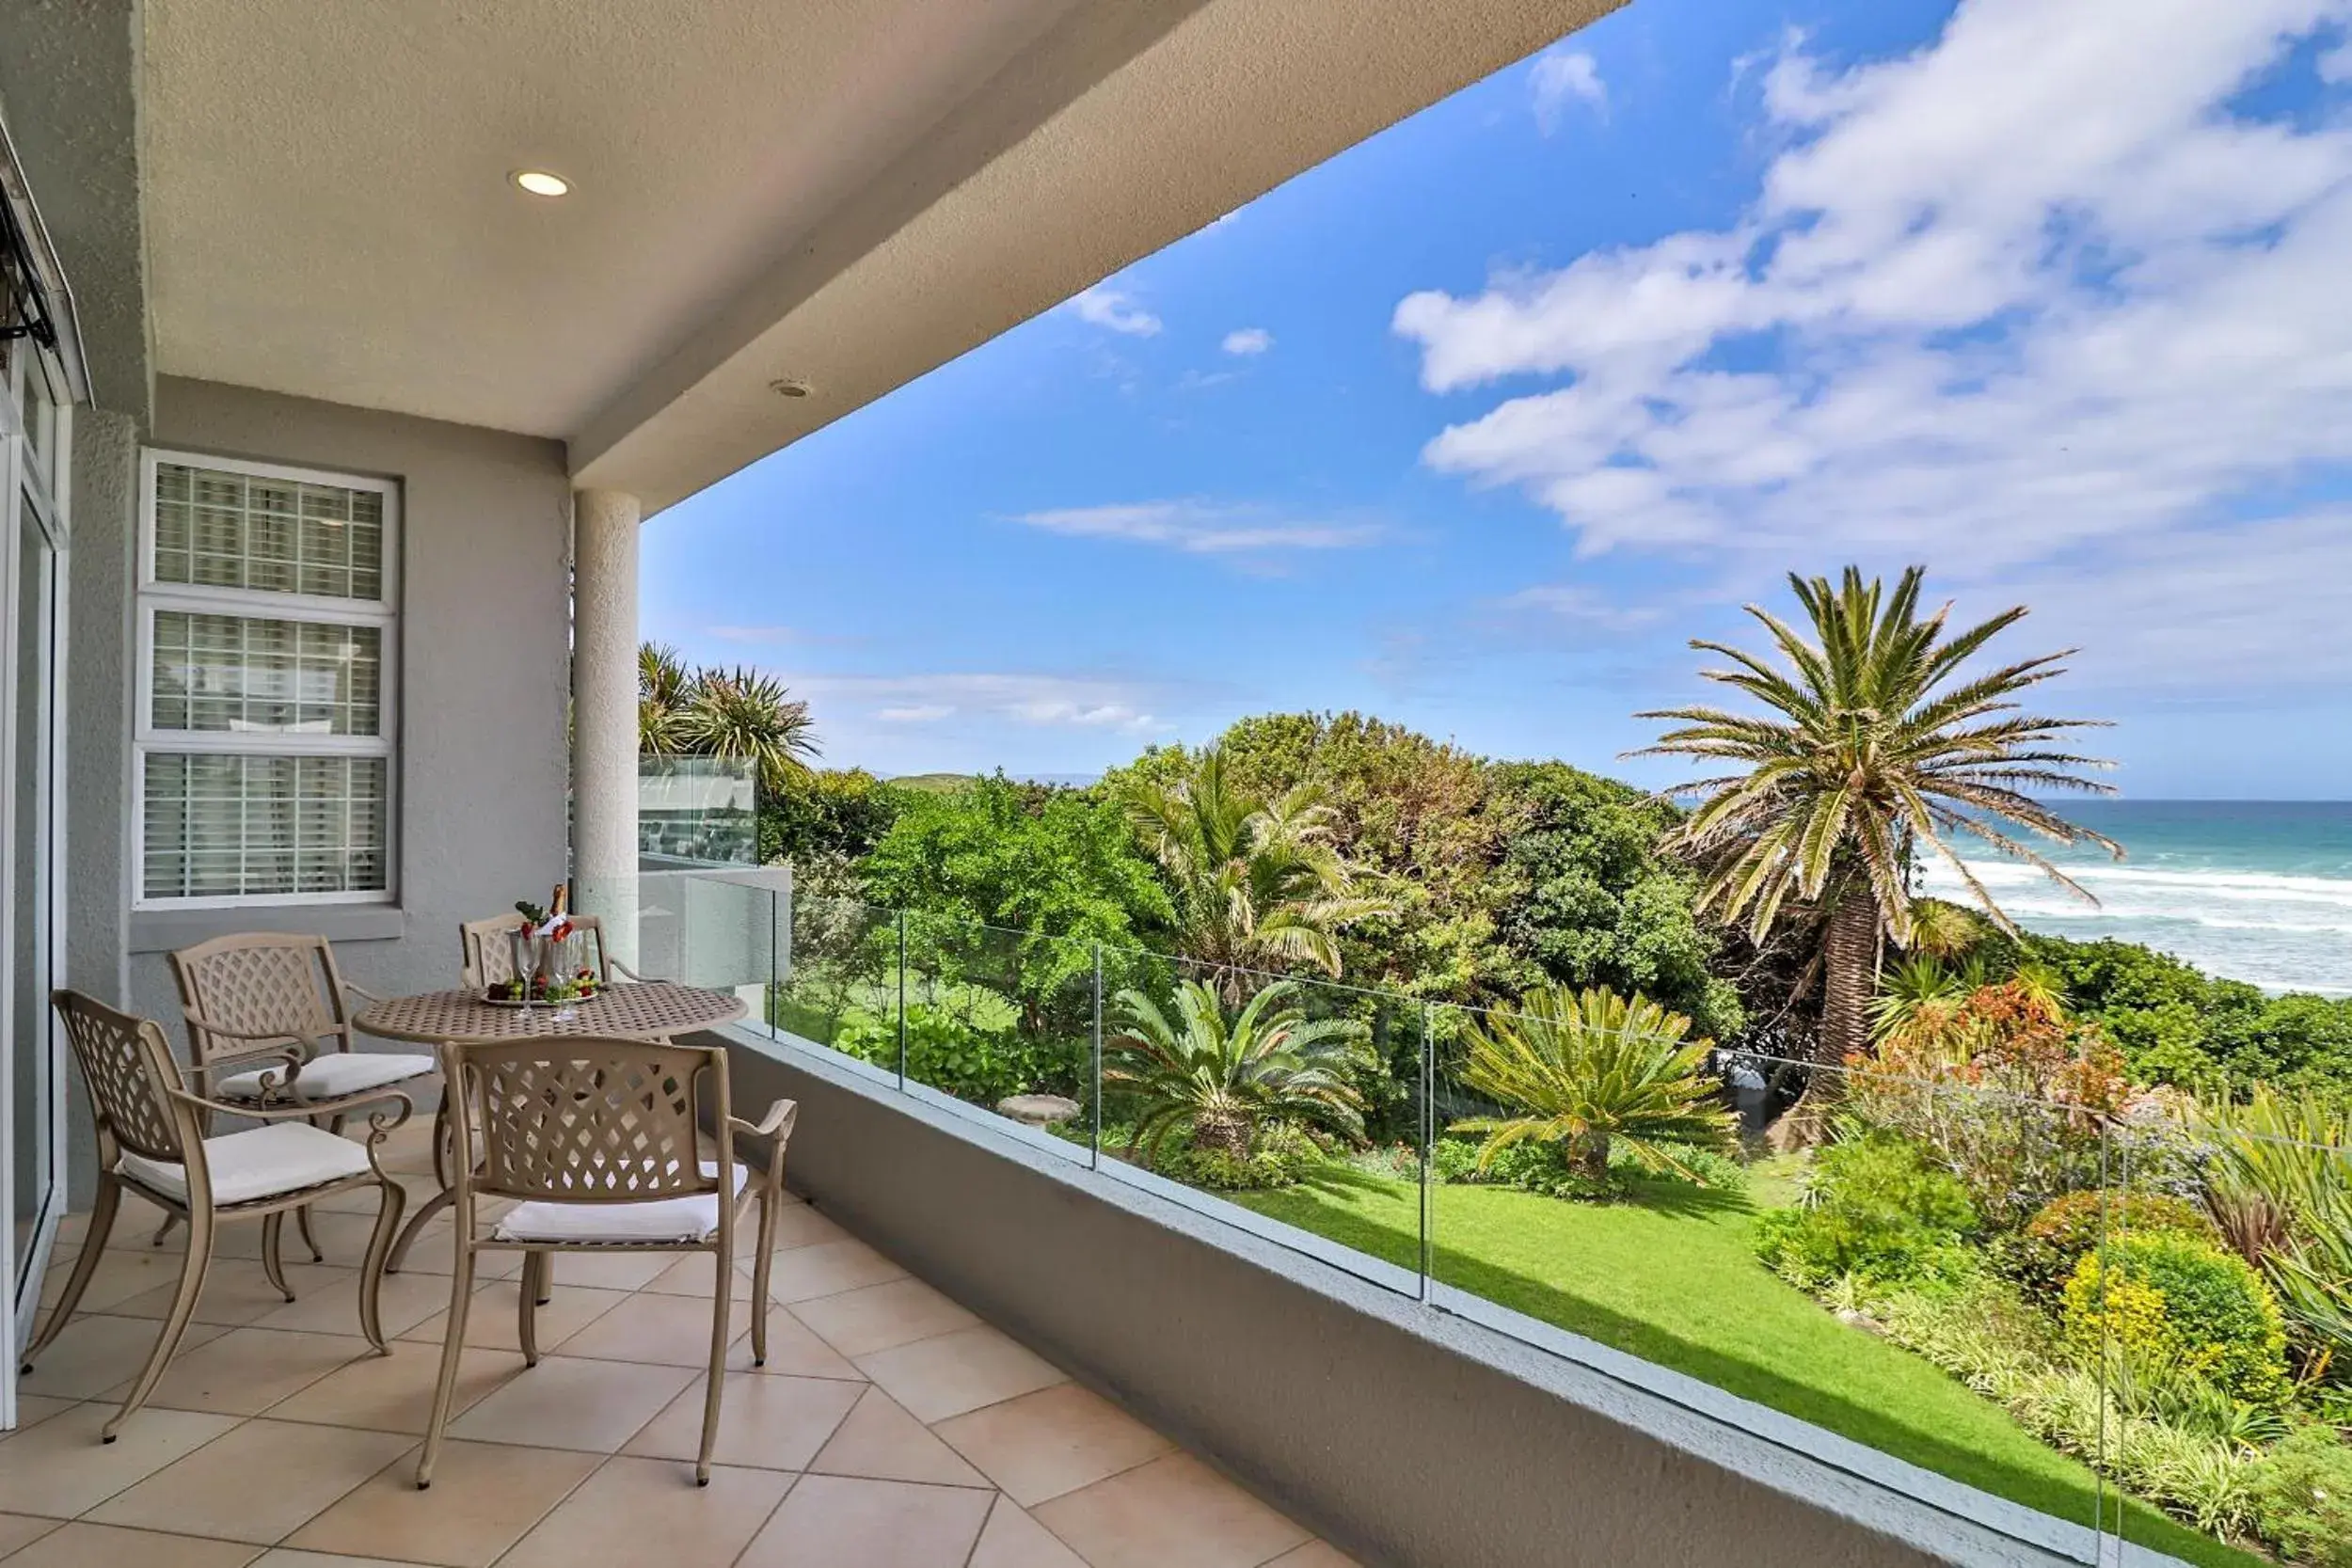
(1672, 1280)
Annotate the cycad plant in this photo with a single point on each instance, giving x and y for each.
(1222, 1076)
(1586, 1071)
(1872, 749)
(1256, 882)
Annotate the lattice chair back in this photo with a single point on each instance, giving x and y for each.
(589, 1120)
(486, 958)
(261, 984)
(126, 1066)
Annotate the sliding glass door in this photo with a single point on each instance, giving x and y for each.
(32, 1080)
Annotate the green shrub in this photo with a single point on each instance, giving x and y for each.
(949, 1051)
(1876, 1210)
(1534, 1167)
(1280, 1153)
(2303, 1498)
(2041, 1257)
(2171, 1299)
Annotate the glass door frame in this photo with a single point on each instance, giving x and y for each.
(34, 483)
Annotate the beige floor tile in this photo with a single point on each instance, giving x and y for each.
(772, 1423)
(420, 1185)
(20, 1529)
(33, 1409)
(830, 1521)
(122, 1275)
(798, 1225)
(394, 1393)
(649, 1511)
(879, 1441)
(490, 1317)
(97, 1354)
(287, 1556)
(1013, 1540)
(103, 1546)
(407, 1300)
(485, 1497)
(827, 1268)
(1315, 1554)
(237, 1292)
(692, 1274)
(950, 1373)
(1056, 1440)
(674, 1330)
(59, 1469)
(793, 1350)
(1173, 1513)
(573, 1402)
(247, 1370)
(258, 1482)
(882, 1317)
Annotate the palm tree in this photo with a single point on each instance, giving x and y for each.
(1586, 1070)
(1872, 752)
(1256, 882)
(749, 716)
(1222, 1077)
(738, 714)
(665, 686)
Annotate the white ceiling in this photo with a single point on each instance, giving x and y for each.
(851, 191)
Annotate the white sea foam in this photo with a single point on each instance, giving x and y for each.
(2280, 931)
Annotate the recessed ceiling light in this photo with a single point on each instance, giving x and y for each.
(538, 181)
(791, 387)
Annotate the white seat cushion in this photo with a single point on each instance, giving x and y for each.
(267, 1161)
(693, 1218)
(333, 1074)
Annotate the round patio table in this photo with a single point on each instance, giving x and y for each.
(652, 1010)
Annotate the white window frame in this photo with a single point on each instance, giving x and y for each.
(260, 604)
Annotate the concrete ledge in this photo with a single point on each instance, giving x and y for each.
(163, 930)
(1405, 1433)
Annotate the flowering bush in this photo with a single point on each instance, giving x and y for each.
(2303, 1498)
(2043, 1255)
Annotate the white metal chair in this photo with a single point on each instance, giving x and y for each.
(151, 1138)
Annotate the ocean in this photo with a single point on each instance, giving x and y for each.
(2255, 890)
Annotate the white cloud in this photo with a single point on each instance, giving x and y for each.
(1203, 528)
(1560, 77)
(2008, 304)
(1045, 701)
(1116, 309)
(1574, 603)
(1249, 340)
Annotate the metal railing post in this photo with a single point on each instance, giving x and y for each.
(902, 1001)
(1428, 1144)
(1094, 1141)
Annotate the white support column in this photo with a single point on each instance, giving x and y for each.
(604, 712)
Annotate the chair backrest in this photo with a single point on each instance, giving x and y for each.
(127, 1068)
(587, 1120)
(260, 983)
(485, 958)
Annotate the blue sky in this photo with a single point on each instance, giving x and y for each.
(1476, 424)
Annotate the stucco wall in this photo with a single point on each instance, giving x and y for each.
(1405, 1435)
(486, 534)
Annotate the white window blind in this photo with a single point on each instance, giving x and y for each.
(268, 638)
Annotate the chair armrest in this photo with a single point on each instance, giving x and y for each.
(197, 1021)
(620, 968)
(775, 1131)
(305, 1110)
(362, 993)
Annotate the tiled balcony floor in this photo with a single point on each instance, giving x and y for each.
(890, 1428)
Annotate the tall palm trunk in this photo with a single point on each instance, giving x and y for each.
(1849, 965)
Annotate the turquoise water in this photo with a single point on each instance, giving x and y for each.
(2255, 890)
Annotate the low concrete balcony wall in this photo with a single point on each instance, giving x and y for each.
(1406, 1434)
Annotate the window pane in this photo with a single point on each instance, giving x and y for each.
(248, 675)
(226, 529)
(227, 827)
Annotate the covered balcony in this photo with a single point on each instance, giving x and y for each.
(348, 349)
